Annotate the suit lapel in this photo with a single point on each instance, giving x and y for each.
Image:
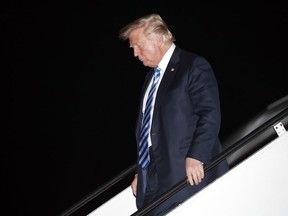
(169, 74)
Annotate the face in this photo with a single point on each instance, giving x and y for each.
(147, 50)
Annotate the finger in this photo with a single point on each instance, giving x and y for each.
(190, 179)
(134, 192)
(202, 174)
(197, 177)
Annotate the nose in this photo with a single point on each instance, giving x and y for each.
(136, 52)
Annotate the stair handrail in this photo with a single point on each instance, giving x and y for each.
(99, 190)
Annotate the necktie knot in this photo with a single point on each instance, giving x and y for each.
(156, 74)
(157, 70)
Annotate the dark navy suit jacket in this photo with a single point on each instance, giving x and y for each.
(186, 123)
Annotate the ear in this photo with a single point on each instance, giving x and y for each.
(159, 39)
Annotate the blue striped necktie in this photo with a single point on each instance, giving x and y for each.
(144, 158)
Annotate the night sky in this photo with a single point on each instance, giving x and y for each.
(70, 87)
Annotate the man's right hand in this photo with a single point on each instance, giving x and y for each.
(134, 185)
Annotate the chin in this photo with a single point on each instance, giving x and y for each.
(147, 65)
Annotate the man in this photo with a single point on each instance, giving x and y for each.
(183, 120)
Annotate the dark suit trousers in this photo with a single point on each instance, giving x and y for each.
(151, 192)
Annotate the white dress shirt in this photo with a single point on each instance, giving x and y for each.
(162, 65)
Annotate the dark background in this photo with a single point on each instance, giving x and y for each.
(70, 87)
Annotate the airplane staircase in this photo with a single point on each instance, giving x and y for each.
(256, 183)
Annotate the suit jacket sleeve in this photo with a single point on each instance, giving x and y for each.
(203, 92)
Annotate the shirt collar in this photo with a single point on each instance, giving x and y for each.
(166, 58)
